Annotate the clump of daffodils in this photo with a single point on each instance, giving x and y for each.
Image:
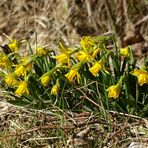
(46, 74)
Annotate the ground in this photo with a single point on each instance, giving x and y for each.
(46, 23)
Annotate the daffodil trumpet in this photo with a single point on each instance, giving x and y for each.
(142, 76)
(114, 90)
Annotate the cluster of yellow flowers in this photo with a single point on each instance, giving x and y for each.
(88, 52)
(13, 77)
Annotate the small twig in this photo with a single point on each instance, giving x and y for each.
(127, 115)
(93, 102)
(90, 100)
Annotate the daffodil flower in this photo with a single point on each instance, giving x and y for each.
(72, 74)
(62, 58)
(11, 80)
(47, 76)
(4, 62)
(87, 56)
(22, 88)
(87, 43)
(14, 45)
(55, 88)
(20, 70)
(45, 79)
(114, 90)
(41, 51)
(83, 56)
(24, 66)
(142, 76)
(124, 52)
(96, 67)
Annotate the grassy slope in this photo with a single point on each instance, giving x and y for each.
(48, 22)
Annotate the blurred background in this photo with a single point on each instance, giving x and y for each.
(50, 21)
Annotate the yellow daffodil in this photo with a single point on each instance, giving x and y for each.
(83, 56)
(20, 70)
(45, 79)
(24, 66)
(4, 62)
(22, 88)
(87, 56)
(41, 51)
(47, 76)
(96, 67)
(114, 90)
(11, 80)
(72, 74)
(87, 43)
(124, 52)
(63, 58)
(142, 76)
(55, 88)
(14, 45)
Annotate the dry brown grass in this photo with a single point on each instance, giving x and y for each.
(55, 20)
(28, 128)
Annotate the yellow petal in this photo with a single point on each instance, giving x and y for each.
(96, 51)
